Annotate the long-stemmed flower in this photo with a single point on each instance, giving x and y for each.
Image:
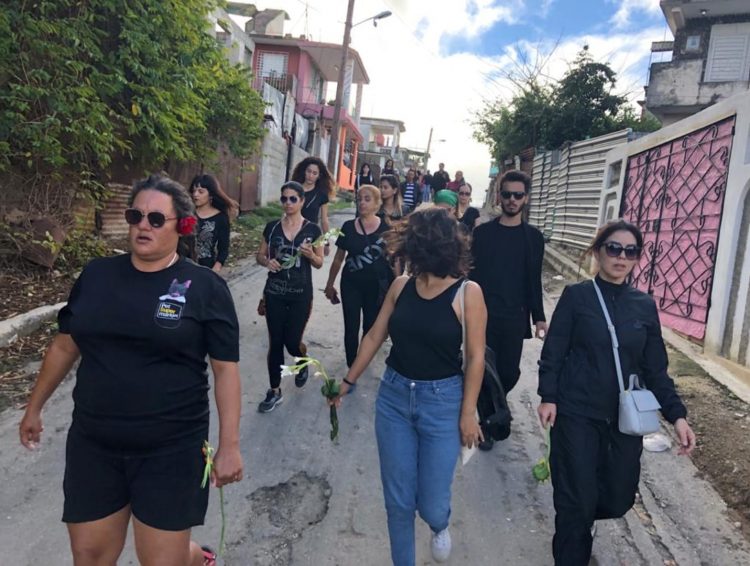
(330, 388)
(541, 470)
(208, 454)
(291, 260)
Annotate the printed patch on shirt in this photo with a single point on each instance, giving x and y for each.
(169, 309)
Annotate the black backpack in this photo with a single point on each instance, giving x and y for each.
(492, 406)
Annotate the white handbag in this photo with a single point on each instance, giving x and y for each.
(639, 408)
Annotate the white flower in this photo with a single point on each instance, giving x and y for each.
(317, 374)
(288, 371)
(298, 360)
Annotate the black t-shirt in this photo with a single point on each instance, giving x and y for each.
(439, 180)
(469, 218)
(366, 257)
(212, 240)
(142, 383)
(314, 199)
(295, 281)
(499, 254)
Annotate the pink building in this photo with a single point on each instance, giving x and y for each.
(304, 68)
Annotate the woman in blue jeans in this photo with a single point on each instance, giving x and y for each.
(426, 406)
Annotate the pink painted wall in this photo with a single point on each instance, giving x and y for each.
(675, 194)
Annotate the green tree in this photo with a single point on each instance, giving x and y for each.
(508, 128)
(585, 105)
(83, 83)
(581, 105)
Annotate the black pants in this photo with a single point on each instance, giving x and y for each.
(595, 474)
(286, 319)
(358, 297)
(505, 335)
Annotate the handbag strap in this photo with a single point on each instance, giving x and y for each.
(613, 335)
(462, 305)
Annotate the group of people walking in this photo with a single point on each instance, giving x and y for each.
(440, 284)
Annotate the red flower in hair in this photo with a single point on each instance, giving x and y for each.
(185, 225)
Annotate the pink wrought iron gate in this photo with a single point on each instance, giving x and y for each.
(675, 194)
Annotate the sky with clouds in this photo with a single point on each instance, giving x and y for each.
(433, 63)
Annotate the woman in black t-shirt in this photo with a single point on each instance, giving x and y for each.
(389, 169)
(365, 176)
(425, 405)
(214, 209)
(466, 214)
(142, 324)
(287, 252)
(367, 273)
(319, 187)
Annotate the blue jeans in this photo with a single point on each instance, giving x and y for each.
(416, 424)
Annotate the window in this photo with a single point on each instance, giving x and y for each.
(728, 53)
(272, 64)
(693, 43)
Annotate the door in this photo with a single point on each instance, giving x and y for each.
(674, 193)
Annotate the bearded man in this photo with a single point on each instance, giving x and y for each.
(508, 256)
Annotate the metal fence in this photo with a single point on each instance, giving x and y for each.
(566, 188)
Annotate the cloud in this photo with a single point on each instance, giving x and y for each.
(414, 81)
(627, 8)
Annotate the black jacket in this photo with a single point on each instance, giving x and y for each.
(577, 368)
(482, 246)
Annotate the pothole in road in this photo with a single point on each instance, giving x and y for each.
(280, 515)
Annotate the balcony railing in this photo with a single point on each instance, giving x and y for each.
(282, 83)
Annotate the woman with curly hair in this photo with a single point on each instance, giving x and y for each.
(214, 209)
(426, 405)
(320, 189)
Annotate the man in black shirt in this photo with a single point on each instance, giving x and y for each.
(508, 256)
(440, 179)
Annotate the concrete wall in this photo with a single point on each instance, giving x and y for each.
(272, 168)
(566, 189)
(728, 323)
(680, 84)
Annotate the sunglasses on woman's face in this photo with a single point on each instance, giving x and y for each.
(614, 249)
(518, 195)
(293, 199)
(464, 194)
(133, 216)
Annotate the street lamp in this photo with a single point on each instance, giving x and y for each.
(334, 141)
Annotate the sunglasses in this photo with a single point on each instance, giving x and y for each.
(464, 194)
(614, 249)
(133, 216)
(518, 195)
(293, 199)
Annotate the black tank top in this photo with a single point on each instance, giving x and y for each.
(426, 334)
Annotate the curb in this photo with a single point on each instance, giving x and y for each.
(26, 323)
(713, 366)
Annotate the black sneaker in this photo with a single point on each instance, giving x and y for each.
(272, 399)
(301, 378)
(487, 444)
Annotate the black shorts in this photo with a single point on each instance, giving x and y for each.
(163, 491)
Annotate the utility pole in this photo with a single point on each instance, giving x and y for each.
(427, 153)
(334, 141)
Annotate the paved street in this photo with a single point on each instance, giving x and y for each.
(306, 501)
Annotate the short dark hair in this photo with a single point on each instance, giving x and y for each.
(514, 175)
(181, 200)
(430, 241)
(294, 186)
(610, 228)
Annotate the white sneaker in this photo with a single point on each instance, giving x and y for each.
(441, 545)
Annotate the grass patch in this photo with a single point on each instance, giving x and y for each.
(247, 232)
